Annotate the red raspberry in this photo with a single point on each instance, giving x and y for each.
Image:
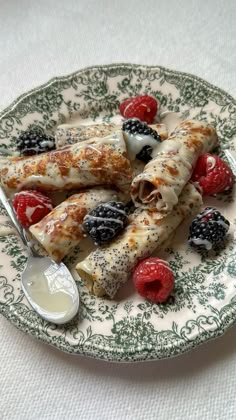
(31, 206)
(212, 174)
(143, 107)
(153, 279)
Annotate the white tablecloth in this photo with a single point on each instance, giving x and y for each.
(44, 38)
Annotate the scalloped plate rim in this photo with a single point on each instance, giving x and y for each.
(19, 98)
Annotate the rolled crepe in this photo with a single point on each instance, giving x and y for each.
(70, 134)
(61, 230)
(80, 165)
(108, 267)
(164, 177)
(74, 133)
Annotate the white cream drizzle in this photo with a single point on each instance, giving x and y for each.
(104, 219)
(126, 108)
(108, 206)
(222, 223)
(136, 142)
(63, 216)
(161, 263)
(30, 211)
(199, 241)
(47, 143)
(167, 146)
(38, 148)
(39, 198)
(211, 162)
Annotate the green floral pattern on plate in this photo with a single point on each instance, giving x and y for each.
(203, 305)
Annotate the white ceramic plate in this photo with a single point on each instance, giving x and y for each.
(129, 328)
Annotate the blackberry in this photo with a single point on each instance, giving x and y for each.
(208, 229)
(145, 155)
(33, 143)
(137, 128)
(105, 221)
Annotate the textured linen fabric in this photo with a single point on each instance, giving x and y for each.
(41, 39)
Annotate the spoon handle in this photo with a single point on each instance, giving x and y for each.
(9, 209)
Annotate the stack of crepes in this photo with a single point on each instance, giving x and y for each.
(164, 198)
(99, 170)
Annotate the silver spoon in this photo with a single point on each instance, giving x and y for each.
(48, 286)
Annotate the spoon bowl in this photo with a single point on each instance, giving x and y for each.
(48, 286)
(49, 289)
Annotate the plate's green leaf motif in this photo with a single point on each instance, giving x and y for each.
(7, 295)
(203, 303)
(231, 268)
